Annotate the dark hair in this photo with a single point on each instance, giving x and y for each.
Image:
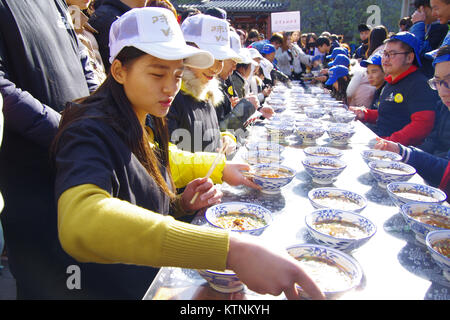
(443, 51)
(276, 38)
(243, 66)
(188, 13)
(341, 93)
(376, 39)
(163, 4)
(253, 33)
(406, 21)
(117, 112)
(419, 3)
(363, 27)
(322, 40)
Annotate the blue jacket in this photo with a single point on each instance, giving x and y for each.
(429, 167)
(430, 40)
(438, 142)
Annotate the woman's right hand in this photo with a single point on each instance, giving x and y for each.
(268, 271)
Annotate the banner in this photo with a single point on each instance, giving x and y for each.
(285, 21)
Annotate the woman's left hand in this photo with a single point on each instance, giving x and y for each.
(209, 194)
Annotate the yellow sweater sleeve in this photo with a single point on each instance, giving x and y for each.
(95, 227)
(187, 166)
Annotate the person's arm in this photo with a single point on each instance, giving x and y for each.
(187, 166)
(23, 113)
(416, 131)
(89, 219)
(428, 166)
(89, 74)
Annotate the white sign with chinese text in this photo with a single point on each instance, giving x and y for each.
(285, 21)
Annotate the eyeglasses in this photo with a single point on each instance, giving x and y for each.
(388, 55)
(435, 83)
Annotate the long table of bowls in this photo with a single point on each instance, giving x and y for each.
(391, 259)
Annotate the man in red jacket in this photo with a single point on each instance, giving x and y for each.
(407, 104)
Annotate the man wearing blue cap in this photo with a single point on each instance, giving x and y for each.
(406, 110)
(433, 166)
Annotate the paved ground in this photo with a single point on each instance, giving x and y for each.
(7, 282)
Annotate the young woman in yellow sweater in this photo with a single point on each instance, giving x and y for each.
(116, 178)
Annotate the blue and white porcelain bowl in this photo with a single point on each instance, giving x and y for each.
(314, 112)
(345, 242)
(335, 198)
(325, 152)
(272, 185)
(385, 172)
(340, 135)
(349, 273)
(375, 154)
(265, 146)
(309, 122)
(406, 192)
(421, 229)
(440, 259)
(281, 130)
(258, 157)
(309, 134)
(323, 170)
(344, 117)
(214, 213)
(223, 281)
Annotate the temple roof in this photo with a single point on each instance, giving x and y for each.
(235, 5)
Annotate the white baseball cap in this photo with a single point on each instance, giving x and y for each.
(235, 44)
(255, 53)
(266, 67)
(211, 34)
(155, 31)
(246, 57)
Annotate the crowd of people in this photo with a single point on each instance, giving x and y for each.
(114, 111)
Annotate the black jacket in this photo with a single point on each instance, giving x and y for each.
(41, 68)
(199, 121)
(101, 20)
(438, 142)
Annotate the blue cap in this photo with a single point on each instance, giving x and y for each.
(432, 54)
(336, 51)
(340, 60)
(411, 40)
(375, 59)
(335, 73)
(444, 58)
(258, 45)
(267, 49)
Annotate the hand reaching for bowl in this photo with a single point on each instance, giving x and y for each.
(359, 111)
(386, 145)
(268, 271)
(231, 144)
(232, 174)
(267, 112)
